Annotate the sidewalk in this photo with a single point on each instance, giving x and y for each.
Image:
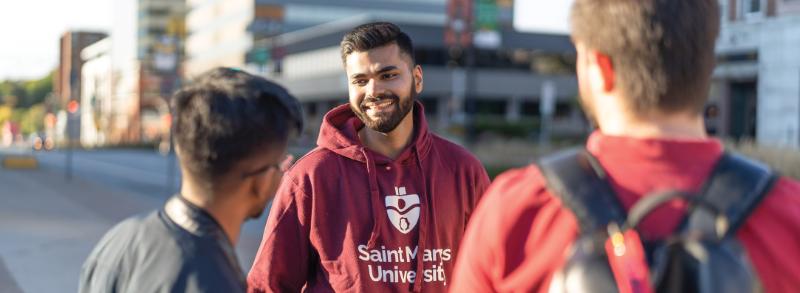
(48, 226)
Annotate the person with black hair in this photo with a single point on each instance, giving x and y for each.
(231, 131)
(381, 204)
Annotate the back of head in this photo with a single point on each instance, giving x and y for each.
(226, 115)
(662, 50)
(369, 36)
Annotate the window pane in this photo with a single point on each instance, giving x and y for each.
(755, 6)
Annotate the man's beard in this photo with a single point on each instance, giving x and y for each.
(386, 124)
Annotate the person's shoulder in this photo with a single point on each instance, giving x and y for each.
(453, 152)
(784, 198)
(131, 228)
(517, 183)
(315, 160)
(517, 204)
(120, 241)
(518, 192)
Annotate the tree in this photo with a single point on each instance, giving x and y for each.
(24, 94)
(33, 119)
(5, 113)
(37, 90)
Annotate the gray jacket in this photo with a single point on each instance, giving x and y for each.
(179, 248)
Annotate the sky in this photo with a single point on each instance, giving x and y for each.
(30, 30)
(542, 16)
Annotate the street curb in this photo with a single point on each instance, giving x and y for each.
(20, 162)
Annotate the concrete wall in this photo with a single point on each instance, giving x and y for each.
(779, 83)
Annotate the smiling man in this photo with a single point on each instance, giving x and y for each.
(381, 204)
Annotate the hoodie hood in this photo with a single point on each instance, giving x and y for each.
(339, 134)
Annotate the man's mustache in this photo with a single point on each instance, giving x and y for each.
(379, 98)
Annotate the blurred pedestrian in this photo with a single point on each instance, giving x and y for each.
(573, 222)
(381, 204)
(231, 131)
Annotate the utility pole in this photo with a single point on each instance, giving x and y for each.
(458, 38)
(176, 32)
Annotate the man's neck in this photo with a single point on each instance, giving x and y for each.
(656, 125)
(389, 144)
(224, 214)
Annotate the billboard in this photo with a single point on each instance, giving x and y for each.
(542, 16)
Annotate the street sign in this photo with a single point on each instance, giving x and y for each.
(485, 15)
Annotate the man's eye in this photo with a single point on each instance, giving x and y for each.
(389, 75)
(360, 82)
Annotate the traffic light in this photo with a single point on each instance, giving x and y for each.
(72, 106)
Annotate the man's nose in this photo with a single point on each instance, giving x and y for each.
(374, 88)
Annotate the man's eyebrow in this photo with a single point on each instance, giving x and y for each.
(382, 70)
(387, 68)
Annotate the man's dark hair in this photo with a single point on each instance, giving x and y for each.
(662, 50)
(227, 115)
(369, 36)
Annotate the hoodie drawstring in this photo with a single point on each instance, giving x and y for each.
(423, 225)
(375, 197)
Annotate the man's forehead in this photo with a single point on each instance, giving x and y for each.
(376, 59)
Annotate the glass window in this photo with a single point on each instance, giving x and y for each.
(752, 9)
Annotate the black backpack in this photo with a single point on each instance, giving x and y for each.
(702, 255)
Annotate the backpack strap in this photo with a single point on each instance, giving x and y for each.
(734, 189)
(580, 182)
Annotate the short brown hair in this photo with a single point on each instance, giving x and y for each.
(662, 50)
(369, 36)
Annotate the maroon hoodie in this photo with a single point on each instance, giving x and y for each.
(348, 219)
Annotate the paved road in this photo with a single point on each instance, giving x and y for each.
(48, 224)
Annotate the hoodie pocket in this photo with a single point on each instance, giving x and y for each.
(340, 279)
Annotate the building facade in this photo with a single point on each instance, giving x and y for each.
(756, 90)
(297, 44)
(238, 33)
(67, 82)
(146, 45)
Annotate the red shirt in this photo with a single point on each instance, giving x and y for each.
(347, 219)
(520, 233)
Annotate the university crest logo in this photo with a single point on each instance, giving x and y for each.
(403, 210)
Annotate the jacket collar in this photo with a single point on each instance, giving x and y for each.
(200, 223)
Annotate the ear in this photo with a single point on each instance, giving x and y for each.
(417, 73)
(606, 69)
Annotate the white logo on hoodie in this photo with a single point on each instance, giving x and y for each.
(403, 210)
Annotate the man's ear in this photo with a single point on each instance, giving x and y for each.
(606, 66)
(417, 74)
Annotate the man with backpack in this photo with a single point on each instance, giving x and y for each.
(651, 204)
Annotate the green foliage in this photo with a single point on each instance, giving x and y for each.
(497, 125)
(37, 90)
(32, 120)
(24, 94)
(5, 113)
